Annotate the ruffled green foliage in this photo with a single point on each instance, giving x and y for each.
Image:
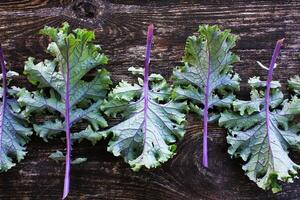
(49, 76)
(265, 155)
(207, 62)
(14, 132)
(139, 145)
(294, 84)
(58, 156)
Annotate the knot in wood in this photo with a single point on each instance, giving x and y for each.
(85, 9)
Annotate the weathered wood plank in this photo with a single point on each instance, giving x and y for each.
(120, 28)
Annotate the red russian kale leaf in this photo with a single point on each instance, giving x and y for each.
(13, 132)
(63, 92)
(262, 130)
(206, 78)
(151, 122)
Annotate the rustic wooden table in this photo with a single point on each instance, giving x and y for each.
(120, 27)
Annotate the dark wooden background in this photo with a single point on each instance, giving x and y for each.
(120, 27)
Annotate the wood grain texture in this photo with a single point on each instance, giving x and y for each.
(120, 27)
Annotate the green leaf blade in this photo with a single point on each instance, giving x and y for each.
(265, 153)
(206, 77)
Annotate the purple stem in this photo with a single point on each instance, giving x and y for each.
(146, 75)
(68, 136)
(205, 115)
(4, 92)
(268, 85)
